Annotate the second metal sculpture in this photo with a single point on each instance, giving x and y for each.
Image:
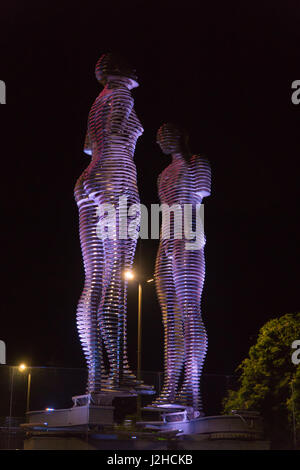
(180, 273)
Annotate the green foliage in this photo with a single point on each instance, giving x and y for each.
(293, 402)
(267, 375)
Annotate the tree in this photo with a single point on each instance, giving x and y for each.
(270, 381)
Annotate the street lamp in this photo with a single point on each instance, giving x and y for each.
(22, 367)
(129, 276)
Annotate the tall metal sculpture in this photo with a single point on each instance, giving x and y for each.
(113, 129)
(180, 273)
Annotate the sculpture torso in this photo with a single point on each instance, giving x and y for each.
(113, 129)
(182, 183)
(185, 182)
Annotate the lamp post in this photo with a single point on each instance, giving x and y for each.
(139, 338)
(11, 393)
(129, 276)
(22, 368)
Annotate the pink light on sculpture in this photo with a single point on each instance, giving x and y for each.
(113, 129)
(180, 274)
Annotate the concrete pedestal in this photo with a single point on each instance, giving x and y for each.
(89, 409)
(175, 418)
(76, 416)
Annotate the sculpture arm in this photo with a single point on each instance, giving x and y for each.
(87, 144)
(159, 185)
(202, 173)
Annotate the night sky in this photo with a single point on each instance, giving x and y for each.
(225, 72)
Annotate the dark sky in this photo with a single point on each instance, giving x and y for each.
(224, 71)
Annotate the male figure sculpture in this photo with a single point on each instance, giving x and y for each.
(180, 273)
(113, 129)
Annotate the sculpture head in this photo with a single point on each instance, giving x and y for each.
(172, 139)
(111, 66)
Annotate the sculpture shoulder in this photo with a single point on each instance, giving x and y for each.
(119, 95)
(113, 98)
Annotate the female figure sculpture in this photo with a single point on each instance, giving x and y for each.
(113, 129)
(180, 273)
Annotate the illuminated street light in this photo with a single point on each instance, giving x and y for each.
(129, 275)
(22, 367)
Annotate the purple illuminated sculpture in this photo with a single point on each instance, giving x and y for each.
(113, 129)
(180, 274)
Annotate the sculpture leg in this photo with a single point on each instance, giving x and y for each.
(195, 351)
(111, 310)
(118, 257)
(172, 322)
(189, 272)
(129, 249)
(92, 252)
